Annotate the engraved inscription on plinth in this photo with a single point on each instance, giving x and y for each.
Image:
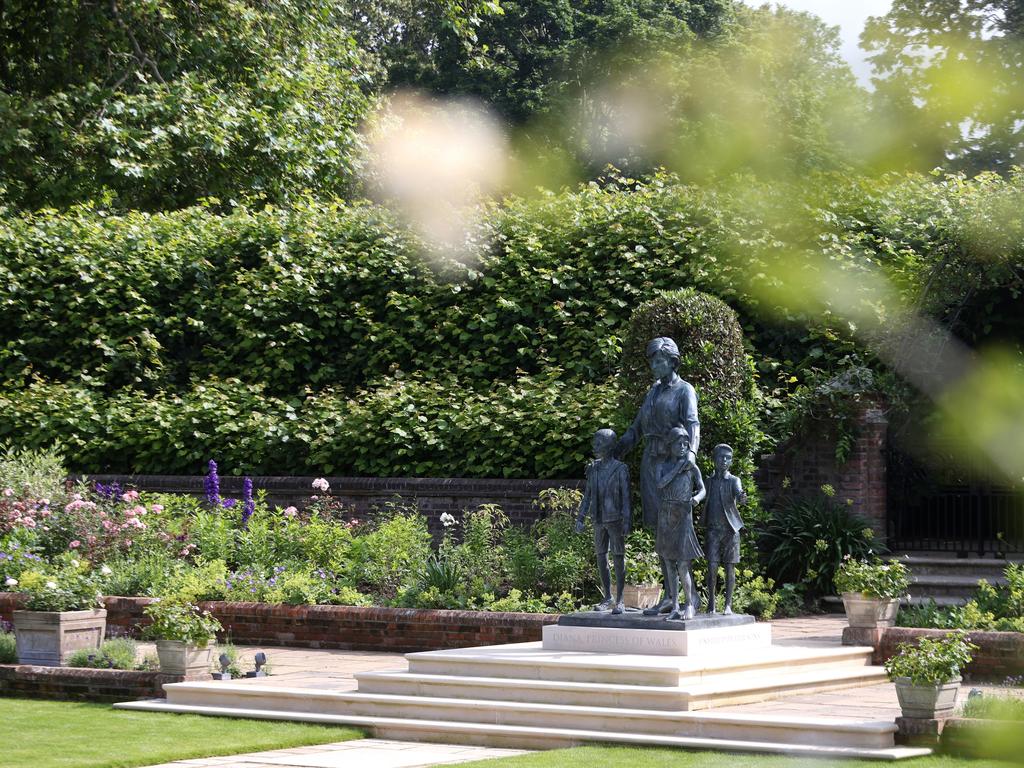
(653, 642)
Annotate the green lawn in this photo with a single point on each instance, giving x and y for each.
(638, 757)
(55, 734)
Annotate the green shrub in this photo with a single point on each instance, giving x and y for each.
(37, 473)
(931, 661)
(206, 580)
(8, 648)
(805, 541)
(118, 653)
(176, 619)
(568, 563)
(147, 575)
(994, 707)
(887, 581)
(392, 554)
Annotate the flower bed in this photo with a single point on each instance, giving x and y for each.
(340, 627)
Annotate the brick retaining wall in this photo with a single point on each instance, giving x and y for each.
(339, 626)
(81, 684)
(999, 655)
(363, 495)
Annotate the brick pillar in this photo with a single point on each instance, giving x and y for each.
(801, 466)
(862, 477)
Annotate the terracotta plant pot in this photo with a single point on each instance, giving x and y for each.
(926, 701)
(864, 611)
(641, 595)
(48, 638)
(179, 658)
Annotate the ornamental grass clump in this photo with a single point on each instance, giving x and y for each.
(932, 661)
(175, 619)
(878, 579)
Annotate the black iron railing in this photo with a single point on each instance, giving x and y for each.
(932, 507)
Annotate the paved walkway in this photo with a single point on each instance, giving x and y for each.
(361, 753)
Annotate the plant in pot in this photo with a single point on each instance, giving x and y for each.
(643, 571)
(871, 590)
(183, 634)
(63, 613)
(927, 675)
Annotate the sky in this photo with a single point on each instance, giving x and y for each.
(849, 16)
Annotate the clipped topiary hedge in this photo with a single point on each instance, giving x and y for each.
(712, 359)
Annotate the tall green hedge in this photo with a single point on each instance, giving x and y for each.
(534, 426)
(152, 341)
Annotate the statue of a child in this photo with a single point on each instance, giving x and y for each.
(680, 486)
(606, 500)
(722, 523)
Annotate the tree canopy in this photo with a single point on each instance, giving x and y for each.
(951, 72)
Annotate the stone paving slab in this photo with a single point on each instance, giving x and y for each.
(361, 753)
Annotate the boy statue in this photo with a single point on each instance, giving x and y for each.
(606, 500)
(680, 486)
(722, 523)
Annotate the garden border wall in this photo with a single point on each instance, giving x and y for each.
(999, 655)
(433, 496)
(340, 627)
(82, 683)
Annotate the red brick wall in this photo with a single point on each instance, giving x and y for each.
(80, 684)
(810, 462)
(432, 495)
(341, 627)
(999, 655)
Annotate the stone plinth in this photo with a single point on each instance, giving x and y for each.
(738, 639)
(632, 619)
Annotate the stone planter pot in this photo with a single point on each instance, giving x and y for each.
(641, 595)
(48, 638)
(926, 701)
(864, 611)
(180, 658)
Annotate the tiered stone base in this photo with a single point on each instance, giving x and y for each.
(535, 695)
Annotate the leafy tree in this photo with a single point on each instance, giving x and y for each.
(950, 71)
(532, 54)
(157, 103)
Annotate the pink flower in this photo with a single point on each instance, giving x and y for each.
(75, 544)
(107, 525)
(28, 522)
(138, 510)
(157, 507)
(127, 542)
(91, 539)
(129, 496)
(290, 511)
(8, 491)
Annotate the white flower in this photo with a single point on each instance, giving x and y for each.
(74, 563)
(8, 491)
(322, 485)
(11, 581)
(51, 585)
(290, 511)
(105, 570)
(447, 519)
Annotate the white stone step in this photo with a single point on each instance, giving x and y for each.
(533, 737)
(529, 661)
(723, 690)
(518, 712)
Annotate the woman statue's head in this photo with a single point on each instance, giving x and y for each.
(663, 356)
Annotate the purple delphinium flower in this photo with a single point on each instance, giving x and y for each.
(229, 503)
(212, 485)
(248, 504)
